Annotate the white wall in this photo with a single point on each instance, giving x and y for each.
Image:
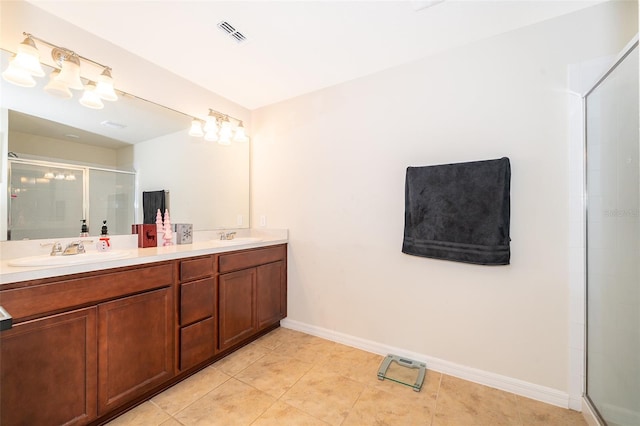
(330, 167)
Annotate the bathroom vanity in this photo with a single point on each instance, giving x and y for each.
(84, 347)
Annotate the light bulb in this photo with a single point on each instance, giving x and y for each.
(240, 135)
(70, 73)
(104, 86)
(57, 88)
(90, 98)
(211, 136)
(196, 129)
(28, 58)
(17, 75)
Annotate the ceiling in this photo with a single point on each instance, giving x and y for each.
(295, 47)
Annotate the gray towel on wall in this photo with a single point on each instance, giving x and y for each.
(459, 212)
(151, 202)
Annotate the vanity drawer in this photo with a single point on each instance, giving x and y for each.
(197, 300)
(196, 268)
(197, 343)
(251, 258)
(36, 300)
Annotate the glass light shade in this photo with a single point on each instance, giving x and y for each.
(90, 98)
(211, 125)
(104, 86)
(240, 135)
(70, 177)
(196, 129)
(57, 88)
(211, 136)
(28, 58)
(225, 139)
(49, 175)
(59, 176)
(226, 124)
(70, 75)
(17, 75)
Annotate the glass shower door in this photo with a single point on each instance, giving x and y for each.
(613, 245)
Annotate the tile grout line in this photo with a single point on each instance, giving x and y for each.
(435, 405)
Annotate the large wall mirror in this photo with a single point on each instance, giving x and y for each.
(98, 162)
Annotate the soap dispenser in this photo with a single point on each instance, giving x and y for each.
(84, 231)
(103, 242)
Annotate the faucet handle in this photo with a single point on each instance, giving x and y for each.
(56, 248)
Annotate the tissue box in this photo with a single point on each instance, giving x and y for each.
(147, 235)
(184, 233)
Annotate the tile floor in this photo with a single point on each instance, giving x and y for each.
(291, 378)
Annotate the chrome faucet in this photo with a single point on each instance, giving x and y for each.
(75, 247)
(227, 236)
(56, 249)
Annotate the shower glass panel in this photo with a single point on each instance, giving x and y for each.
(44, 201)
(613, 245)
(111, 198)
(49, 200)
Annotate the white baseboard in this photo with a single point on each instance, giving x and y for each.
(588, 414)
(508, 384)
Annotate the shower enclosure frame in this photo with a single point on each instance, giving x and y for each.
(628, 50)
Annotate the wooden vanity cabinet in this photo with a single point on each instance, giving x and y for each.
(197, 311)
(62, 388)
(135, 336)
(84, 345)
(252, 293)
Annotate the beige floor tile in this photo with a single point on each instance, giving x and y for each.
(146, 414)
(186, 392)
(171, 422)
(279, 336)
(274, 374)
(355, 364)
(310, 349)
(378, 407)
(241, 359)
(325, 395)
(464, 403)
(281, 414)
(232, 403)
(535, 413)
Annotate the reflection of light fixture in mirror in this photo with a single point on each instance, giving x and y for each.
(59, 176)
(218, 128)
(57, 88)
(90, 98)
(26, 64)
(196, 128)
(70, 176)
(49, 175)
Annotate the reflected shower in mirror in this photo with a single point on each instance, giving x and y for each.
(209, 183)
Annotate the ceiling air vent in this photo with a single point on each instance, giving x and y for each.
(232, 32)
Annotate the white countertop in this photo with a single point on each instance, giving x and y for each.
(204, 242)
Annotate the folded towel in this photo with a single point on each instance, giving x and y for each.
(151, 202)
(459, 212)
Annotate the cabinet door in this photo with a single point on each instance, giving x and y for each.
(270, 300)
(236, 311)
(48, 370)
(135, 337)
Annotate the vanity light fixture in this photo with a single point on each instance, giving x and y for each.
(26, 64)
(219, 128)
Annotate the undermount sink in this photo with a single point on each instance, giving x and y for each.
(76, 259)
(238, 241)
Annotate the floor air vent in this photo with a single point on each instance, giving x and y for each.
(232, 32)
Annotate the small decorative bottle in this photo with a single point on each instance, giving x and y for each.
(103, 243)
(168, 233)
